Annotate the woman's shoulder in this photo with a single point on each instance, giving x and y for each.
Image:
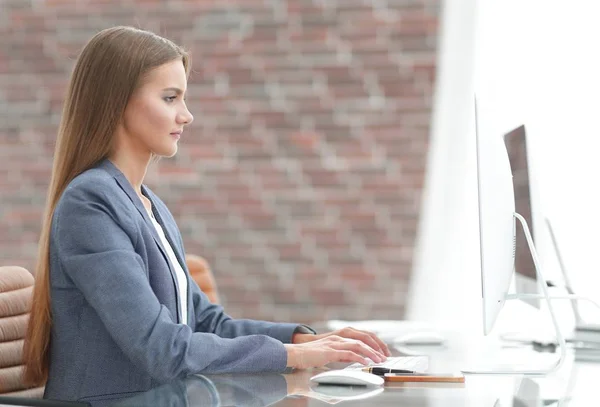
(92, 183)
(91, 193)
(94, 176)
(94, 186)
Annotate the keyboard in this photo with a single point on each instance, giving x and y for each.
(413, 363)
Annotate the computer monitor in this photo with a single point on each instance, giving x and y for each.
(516, 146)
(497, 231)
(496, 217)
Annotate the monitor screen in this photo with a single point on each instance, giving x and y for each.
(516, 146)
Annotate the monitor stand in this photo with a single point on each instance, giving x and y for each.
(544, 288)
(513, 369)
(580, 324)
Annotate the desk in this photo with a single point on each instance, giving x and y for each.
(293, 389)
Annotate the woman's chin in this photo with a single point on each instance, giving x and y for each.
(167, 152)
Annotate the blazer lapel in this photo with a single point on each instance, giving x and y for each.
(169, 234)
(137, 202)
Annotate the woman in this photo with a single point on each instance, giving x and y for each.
(114, 310)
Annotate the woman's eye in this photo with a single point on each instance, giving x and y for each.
(170, 98)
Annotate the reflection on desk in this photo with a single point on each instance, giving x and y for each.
(215, 390)
(334, 394)
(284, 390)
(241, 390)
(576, 384)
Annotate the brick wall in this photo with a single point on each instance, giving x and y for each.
(300, 179)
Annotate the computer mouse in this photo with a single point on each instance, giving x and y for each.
(420, 338)
(348, 377)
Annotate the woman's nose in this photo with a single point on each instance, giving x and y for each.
(186, 117)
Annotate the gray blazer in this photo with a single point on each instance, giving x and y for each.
(114, 301)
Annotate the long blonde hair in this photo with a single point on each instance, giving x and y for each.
(110, 67)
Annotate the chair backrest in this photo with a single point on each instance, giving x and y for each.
(16, 286)
(202, 275)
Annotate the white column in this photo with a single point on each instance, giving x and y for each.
(539, 59)
(444, 266)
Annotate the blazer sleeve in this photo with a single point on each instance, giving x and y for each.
(95, 250)
(211, 318)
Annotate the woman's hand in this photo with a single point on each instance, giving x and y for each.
(369, 338)
(331, 348)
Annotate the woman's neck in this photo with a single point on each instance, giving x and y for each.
(133, 167)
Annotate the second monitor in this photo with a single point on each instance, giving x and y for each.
(518, 156)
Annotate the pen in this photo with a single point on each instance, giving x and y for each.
(380, 371)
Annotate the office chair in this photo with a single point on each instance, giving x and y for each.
(16, 286)
(202, 275)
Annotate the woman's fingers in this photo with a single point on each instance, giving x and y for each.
(360, 348)
(336, 348)
(368, 338)
(350, 357)
(373, 341)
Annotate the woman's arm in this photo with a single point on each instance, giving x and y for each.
(212, 318)
(94, 246)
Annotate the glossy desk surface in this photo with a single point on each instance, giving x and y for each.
(574, 385)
